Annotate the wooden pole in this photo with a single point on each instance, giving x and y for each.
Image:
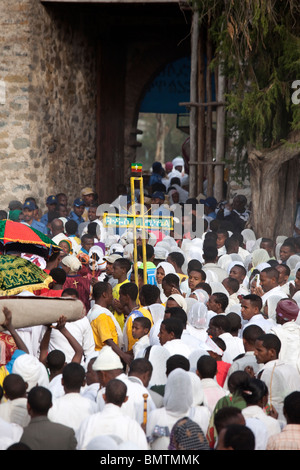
(201, 111)
(209, 151)
(220, 138)
(193, 111)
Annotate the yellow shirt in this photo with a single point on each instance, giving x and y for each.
(3, 373)
(116, 295)
(103, 328)
(128, 325)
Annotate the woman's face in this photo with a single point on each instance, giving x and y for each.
(160, 274)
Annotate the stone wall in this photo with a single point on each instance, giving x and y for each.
(47, 102)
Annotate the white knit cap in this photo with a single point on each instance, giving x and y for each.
(107, 360)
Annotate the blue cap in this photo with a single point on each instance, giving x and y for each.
(210, 202)
(159, 195)
(79, 202)
(30, 205)
(51, 200)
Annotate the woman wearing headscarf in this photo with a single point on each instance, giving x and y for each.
(72, 266)
(187, 435)
(162, 269)
(259, 256)
(198, 321)
(199, 412)
(178, 400)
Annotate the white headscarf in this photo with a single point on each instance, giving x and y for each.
(259, 256)
(31, 370)
(198, 316)
(158, 357)
(178, 397)
(293, 263)
(202, 295)
(197, 389)
(180, 300)
(72, 262)
(167, 267)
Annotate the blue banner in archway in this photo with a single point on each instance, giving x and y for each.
(169, 88)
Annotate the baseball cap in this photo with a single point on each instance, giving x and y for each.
(210, 202)
(86, 191)
(51, 200)
(159, 195)
(30, 205)
(79, 202)
(112, 258)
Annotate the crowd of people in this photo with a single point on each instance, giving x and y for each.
(205, 355)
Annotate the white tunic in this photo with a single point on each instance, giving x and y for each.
(111, 421)
(71, 409)
(82, 332)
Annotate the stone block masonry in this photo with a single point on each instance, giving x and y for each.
(47, 102)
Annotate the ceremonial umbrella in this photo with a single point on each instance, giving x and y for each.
(21, 238)
(18, 274)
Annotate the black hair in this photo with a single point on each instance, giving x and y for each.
(123, 263)
(207, 367)
(177, 361)
(255, 391)
(198, 270)
(56, 360)
(58, 275)
(221, 321)
(171, 279)
(270, 341)
(99, 288)
(193, 264)
(221, 298)
(70, 291)
(40, 399)
(239, 437)
(173, 325)
(141, 364)
(150, 293)
(291, 406)
(255, 300)
(130, 289)
(251, 333)
(233, 283)
(178, 313)
(210, 253)
(71, 227)
(144, 321)
(115, 392)
(177, 258)
(73, 375)
(205, 286)
(271, 272)
(149, 251)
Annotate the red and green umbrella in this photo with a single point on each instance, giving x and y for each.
(21, 238)
(18, 274)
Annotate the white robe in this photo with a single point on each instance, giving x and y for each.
(10, 433)
(71, 409)
(234, 347)
(111, 421)
(255, 411)
(134, 406)
(281, 379)
(15, 411)
(82, 332)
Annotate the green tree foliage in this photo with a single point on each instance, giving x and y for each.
(257, 42)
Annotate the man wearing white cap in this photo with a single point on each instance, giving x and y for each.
(109, 366)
